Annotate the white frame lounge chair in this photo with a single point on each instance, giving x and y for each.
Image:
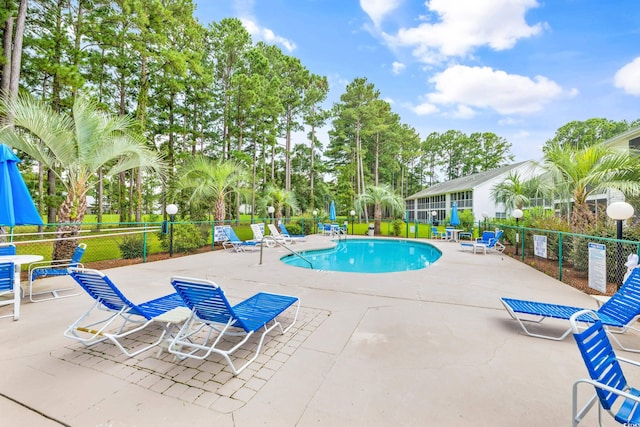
(259, 237)
(275, 234)
(212, 312)
(42, 269)
(295, 237)
(618, 314)
(166, 311)
(492, 245)
(234, 243)
(612, 391)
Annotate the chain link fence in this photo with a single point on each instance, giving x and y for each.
(564, 256)
(567, 256)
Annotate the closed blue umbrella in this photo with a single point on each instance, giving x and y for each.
(455, 219)
(16, 204)
(332, 211)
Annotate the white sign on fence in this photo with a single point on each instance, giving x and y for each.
(540, 246)
(598, 267)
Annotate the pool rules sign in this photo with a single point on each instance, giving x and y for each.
(598, 267)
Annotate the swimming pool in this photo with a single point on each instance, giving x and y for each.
(368, 256)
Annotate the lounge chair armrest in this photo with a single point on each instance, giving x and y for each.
(630, 362)
(607, 388)
(56, 266)
(40, 264)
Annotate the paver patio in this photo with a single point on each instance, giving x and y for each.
(429, 347)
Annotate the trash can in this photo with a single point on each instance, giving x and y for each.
(370, 232)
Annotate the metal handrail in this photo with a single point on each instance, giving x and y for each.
(269, 238)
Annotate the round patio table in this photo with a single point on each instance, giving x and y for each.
(17, 261)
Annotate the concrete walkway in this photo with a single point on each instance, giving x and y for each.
(432, 347)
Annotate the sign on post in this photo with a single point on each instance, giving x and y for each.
(598, 267)
(540, 246)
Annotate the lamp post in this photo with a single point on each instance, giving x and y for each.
(433, 221)
(485, 215)
(172, 210)
(315, 220)
(353, 214)
(517, 214)
(619, 211)
(271, 210)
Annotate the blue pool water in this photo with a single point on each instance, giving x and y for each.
(369, 256)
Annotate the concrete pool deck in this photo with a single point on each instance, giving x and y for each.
(428, 347)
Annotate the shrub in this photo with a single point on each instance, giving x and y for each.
(132, 246)
(186, 238)
(397, 226)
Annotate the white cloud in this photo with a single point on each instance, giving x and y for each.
(244, 9)
(627, 78)
(483, 87)
(397, 67)
(509, 121)
(463, 112)
(378, 9)
(456, 28)
(259, 33)
(425, 109)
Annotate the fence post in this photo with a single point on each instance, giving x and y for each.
(522, 241)
(213, 234)
(560, 256)
(144, 243)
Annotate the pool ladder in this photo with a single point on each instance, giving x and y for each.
(269, 239)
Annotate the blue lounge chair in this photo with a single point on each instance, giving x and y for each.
(42, 269)
(486, 237)
(612, 391)
(7, 286)
(165, 311)
(295, 237)
(213, 313)
(235, 243)
(437, 234)
(492, 244)
(617, 314)
(7, 249)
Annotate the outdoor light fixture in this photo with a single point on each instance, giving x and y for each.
(271, 210)
(172, 210)
(619, 211)
(517, 214)
(315, 219)
(353, 214)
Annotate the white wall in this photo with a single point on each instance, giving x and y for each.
(482, 200)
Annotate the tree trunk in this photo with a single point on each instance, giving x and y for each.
(7, 42)
(16, 53)
(377, 218)
(71, 214)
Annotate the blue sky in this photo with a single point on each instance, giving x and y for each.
(518, 68)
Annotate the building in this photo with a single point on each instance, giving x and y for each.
(469, 192)
(474, 191)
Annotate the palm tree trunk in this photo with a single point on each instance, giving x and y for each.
(70, 216)
(377, 218)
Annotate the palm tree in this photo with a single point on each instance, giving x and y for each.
(281, 198)
(210, 179)
(516, 193)
(75, 147)
(590, 170)
(380, 196)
